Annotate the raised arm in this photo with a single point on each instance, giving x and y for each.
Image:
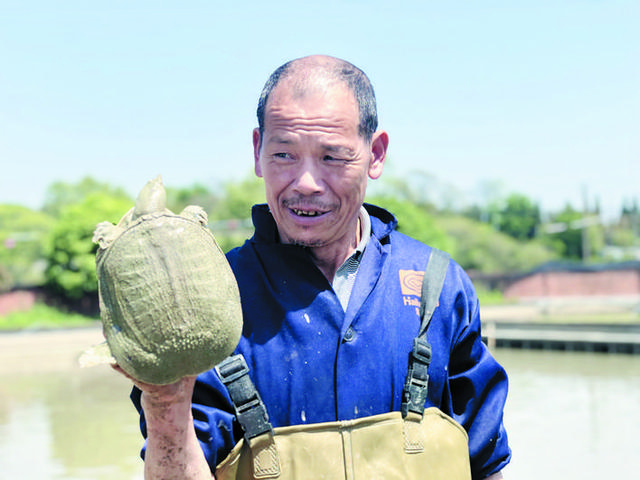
(172, 449)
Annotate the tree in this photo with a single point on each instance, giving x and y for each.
(575, 235)
(229, 211)
(481, 248)
(70, 254)
(61, 194)
(415, 221)
(231, 220)
(239, 197)
(519, 217)
(22, 237)
(197, 194)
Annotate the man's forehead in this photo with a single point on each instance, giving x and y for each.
(320, 110)
(301, 86)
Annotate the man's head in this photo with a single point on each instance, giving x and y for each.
(331, 68)
(315, 152)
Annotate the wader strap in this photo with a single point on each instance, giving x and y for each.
(252, 416)
(432, 283)
(414, 394)
(250, 411)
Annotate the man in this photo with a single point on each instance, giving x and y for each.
(329, 310)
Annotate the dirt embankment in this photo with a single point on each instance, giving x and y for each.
(45, 351)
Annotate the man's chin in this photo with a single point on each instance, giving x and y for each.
(307, 236)
(309, 243)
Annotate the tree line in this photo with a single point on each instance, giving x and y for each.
(52, 247)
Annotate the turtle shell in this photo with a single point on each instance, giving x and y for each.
(169, 302)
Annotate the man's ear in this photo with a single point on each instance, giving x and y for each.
(379, 145)
(256, 152)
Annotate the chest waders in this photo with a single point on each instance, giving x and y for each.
(415, 443)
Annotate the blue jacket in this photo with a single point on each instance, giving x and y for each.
(313, 362)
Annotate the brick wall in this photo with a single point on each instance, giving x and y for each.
(19, 300)
(565, 283)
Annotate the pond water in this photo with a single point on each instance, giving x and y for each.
(75, 425)
(569, 415)
(572, 415)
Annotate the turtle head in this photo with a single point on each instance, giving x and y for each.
(151, 199)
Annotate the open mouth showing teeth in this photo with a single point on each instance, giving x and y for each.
(306, 213)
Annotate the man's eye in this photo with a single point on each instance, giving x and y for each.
(329, 158)
(282, 155)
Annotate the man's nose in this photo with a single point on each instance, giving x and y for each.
(308, 181)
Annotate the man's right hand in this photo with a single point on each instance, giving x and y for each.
(172, 449)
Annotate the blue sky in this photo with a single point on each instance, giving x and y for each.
(536, 97)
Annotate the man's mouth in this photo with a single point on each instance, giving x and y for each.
(306, 213)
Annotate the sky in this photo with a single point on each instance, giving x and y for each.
(485, 98)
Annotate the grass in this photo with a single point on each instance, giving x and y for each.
(593, 318)
(491, 297)
(43, 317)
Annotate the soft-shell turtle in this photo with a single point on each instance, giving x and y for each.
(169, 302)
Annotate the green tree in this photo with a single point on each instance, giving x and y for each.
(519, 217)
(230, 221)
(70, 254)
(22, 237)
(481, 248)
(197, 194)
(229, 210)
(239, 197)
(416, 222)
(62, 194)
(574, 235)
(417, 187)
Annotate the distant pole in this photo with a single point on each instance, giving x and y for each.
(635, 214)
(586, 248)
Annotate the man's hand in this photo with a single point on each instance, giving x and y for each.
(495, 476)
(172, 450)
(160, 396)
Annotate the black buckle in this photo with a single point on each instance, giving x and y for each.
(250, 410)
(416, 386)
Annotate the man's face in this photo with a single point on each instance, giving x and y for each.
(315, 164)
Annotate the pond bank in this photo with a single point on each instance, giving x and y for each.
(584, 325)
(30, 351)
(592, 324)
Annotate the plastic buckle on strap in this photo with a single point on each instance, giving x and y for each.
(250, 410)
(414, 394)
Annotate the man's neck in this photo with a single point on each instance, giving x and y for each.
(329, 258)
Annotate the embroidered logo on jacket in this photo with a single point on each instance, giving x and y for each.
(411, 287)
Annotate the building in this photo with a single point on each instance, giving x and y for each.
(561, 279)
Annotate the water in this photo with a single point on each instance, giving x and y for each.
(76, 425)
(569, 415)
(572, 415)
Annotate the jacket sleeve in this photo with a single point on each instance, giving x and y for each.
(213, 417)
(477, 385)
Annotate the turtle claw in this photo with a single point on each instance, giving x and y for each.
(195, 213)
(104, 234)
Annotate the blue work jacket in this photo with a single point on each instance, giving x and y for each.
(312, 361)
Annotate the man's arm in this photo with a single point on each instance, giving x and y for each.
(173, 450)
(478, 384)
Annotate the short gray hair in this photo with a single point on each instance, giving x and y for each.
(338, 69)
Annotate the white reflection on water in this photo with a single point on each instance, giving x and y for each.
(25, 443)
(72, 425)
(572, 415)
